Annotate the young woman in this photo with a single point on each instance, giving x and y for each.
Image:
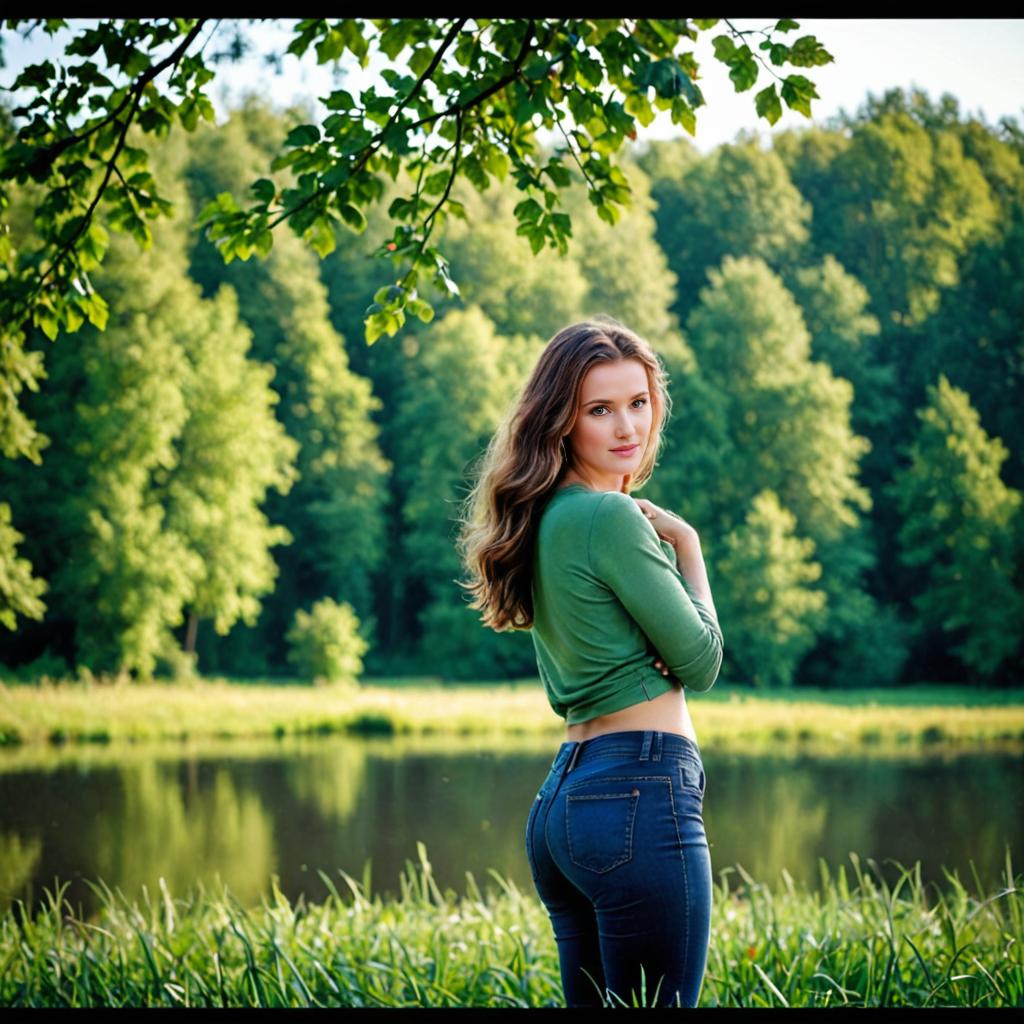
(615, 592)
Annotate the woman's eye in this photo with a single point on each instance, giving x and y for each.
(635, 400)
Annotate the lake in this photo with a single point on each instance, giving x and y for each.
(243, 811)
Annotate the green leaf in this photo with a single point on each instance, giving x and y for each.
(474, 171)
(807, 52)
(393, 322)
(136, 64)
(374, 327)
(608, 213)
(340, 100)
(525, 105)
(74, 319)
(264, 242)
(35, 76)
(618, 120)
(497, 162)
(798, 92)
(353, 217)
(283, 160)
(786, 25)
(528, 211)
(744, 70)
(640, 107)
(589, 70)
(435, 183)
(536, 68)
(265, 190)
(97, 310)
(303, 135)
(394, 38)
(355, 40)
(420, 60)
(48, 324)
(768, 105)
(558, 174)
(422, 309)
(330, 47)
(307, 30)
(206, 109)
(321, 236)
(725, 48)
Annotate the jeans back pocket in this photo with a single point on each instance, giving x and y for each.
(599, 828)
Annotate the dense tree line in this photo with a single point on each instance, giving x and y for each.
(839, 315)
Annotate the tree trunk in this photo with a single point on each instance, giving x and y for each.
(190, 634)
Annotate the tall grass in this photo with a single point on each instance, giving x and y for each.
(858, 942)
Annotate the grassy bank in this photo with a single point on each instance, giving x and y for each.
(855, 943)
(727, 717)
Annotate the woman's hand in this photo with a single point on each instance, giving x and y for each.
(667, 525)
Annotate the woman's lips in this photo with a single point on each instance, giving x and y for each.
(625, 451)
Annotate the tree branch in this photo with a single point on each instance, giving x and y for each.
(739, 32)
(135, 96)
(54, 151)
(456, 108)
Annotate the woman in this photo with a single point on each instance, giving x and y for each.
(615, 592)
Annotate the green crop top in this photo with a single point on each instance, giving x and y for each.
(608, 598)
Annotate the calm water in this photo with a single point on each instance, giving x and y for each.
(243, 812)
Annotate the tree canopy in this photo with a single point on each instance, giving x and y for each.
(462, 98)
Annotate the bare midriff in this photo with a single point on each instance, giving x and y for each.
(666, 713)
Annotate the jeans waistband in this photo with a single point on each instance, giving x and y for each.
(644, 745)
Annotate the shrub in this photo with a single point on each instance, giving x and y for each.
(325, 644)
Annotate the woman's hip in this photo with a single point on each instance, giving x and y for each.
(628, 805)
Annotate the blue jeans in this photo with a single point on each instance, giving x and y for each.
(619, 856)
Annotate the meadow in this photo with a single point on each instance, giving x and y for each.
(727, 717)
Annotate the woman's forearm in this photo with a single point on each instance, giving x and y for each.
(690, 561)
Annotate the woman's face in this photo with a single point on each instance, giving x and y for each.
(614, 411)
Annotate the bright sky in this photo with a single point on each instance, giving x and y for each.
(979, 61)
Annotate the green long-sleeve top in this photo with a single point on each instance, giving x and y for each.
(608, 599)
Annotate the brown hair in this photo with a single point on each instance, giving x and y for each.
(526, 460)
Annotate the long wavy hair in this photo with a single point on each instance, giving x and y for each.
(527, 458)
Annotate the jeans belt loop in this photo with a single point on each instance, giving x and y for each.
(572, 759)
(658, 737)
(645, 750)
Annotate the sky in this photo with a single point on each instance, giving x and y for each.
(979, 61)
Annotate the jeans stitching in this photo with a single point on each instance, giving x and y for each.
(596, 756)
(616, 778)
(686, 890)
(530, 823)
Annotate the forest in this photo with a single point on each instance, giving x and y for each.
(231, 470)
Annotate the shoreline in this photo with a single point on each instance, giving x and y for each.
(51, 716)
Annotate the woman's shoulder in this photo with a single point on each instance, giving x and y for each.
(610, 510)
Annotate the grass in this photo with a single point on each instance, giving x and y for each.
(857, 942)
(57, 713)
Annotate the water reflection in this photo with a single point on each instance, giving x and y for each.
(239, 812)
